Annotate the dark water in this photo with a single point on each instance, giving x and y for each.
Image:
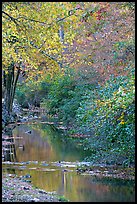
(40, 153)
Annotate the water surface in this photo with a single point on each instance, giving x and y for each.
(39, 147)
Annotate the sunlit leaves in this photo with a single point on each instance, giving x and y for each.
(36, 25)
(41, 27)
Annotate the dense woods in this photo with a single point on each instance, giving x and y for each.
(75, 60)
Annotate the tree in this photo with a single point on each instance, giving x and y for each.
(44, 37)
(104, 43)
(30, 36)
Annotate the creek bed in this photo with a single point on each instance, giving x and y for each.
(52, 161)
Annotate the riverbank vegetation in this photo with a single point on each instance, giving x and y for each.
(82, 72)
(105, 113)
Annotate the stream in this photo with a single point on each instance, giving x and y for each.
(51, 159)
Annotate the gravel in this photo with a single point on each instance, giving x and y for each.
(16, 190)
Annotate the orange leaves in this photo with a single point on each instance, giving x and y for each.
(41, 21)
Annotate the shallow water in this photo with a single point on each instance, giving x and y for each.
(51, 159)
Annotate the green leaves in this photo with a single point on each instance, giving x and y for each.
(111, 115)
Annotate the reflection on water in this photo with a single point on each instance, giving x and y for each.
(46, 144)
(80, 188)
(8, 146)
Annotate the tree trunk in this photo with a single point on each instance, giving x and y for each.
(11, 79)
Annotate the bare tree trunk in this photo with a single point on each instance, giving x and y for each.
(14, 85)
(10, 86)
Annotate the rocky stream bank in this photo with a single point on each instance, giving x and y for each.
(15, 189)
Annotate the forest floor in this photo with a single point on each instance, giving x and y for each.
(14, 189)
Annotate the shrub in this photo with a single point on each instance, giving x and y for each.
(65, 95)
(109, 112)
(60, 97)
(31, 93)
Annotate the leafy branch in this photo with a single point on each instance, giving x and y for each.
(12, 18)
(70, 13)
(49, 56)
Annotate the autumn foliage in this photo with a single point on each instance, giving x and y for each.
(78, 58)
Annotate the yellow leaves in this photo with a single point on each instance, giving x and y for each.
(78, 54)
(122, 122)
(110, 105)
(55, 51)
(122, 116)
(121, 119)
(79, 41)
(29, 16)
(6, 71)
(90, 63)
(74, 18)
(120, 92)
(94, 16)
(100, 103)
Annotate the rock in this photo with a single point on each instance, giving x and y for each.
(42, 191)
(26, 188)
(25, 118)
(5, 116)
(35, 117)
(28, 181)
(27, 176)
(30, 116)
(15, 190)
(44, 164)
(44, 117)
(16, 108)
(64, 170)
(35, 200)
(12, 117)
(29, 132)
(22, 119)
(21, 147)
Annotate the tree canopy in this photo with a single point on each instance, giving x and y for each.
(78, 62)
(30, 32)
